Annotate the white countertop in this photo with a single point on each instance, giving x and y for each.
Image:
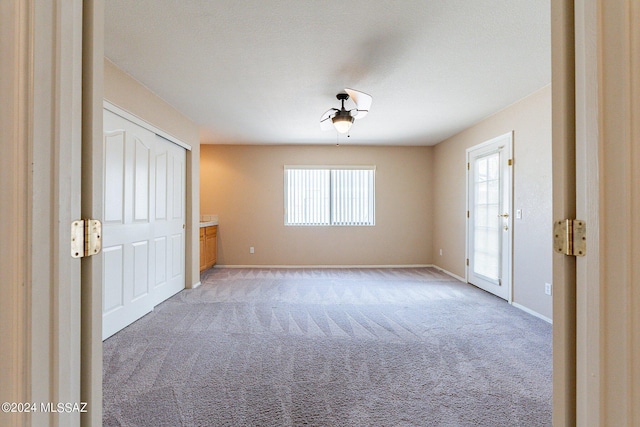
(208, 224)
(208, 220)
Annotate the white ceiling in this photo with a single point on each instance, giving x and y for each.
(263, 72)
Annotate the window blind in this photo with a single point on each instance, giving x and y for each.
(330, 195)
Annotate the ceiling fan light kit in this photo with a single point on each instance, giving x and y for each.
(342, 122)
(342, 119)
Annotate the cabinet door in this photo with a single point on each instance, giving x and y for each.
(214, 250)
(203, 260)
(210, 245)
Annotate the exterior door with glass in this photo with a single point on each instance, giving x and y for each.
(489, 190)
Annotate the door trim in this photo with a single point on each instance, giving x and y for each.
(607, 46)
(145, 124)
(92, 184)
(564, 197)
(509, 250)
(42, 117)
(15, 204)
(588, 312)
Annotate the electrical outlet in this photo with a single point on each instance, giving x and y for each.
(547, 288)
(518, 213)
(440, 252)
(251, 250)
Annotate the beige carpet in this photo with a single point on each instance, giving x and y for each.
(330, 347)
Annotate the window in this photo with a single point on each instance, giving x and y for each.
(329, 195)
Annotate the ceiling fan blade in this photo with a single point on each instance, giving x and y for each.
(362, 101)
(358, 114)
(325, 123)
(328, 114)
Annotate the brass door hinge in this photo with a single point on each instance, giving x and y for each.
(570, 237)
(86, 237)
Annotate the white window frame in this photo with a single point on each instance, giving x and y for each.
(330, 219)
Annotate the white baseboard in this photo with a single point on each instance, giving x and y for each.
(455, 276)
(515, 304)
(531, 312)
(195, 285)
(325, 266)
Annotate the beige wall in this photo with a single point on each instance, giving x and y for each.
(530, 119)
(128, 94)
(244, 186)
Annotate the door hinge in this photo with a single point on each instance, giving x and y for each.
(570, 237)
(467, 261)
(86, 237)
(510, 162)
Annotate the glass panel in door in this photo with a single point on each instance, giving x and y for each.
(487, 225)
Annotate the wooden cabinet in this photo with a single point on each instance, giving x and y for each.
(208, 246)
(203, 262)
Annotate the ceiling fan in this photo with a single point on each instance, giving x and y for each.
(342, 119)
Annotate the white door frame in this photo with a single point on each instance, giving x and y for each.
(507, 247)
(563, 171)
(607, 81)
(92, 207)
(588, 314)
(41, 96)
(45, 23)
(596, 167)
(15, 228)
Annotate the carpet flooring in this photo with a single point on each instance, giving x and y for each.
(330, 347)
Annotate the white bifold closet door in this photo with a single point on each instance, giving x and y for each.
(143, 222)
